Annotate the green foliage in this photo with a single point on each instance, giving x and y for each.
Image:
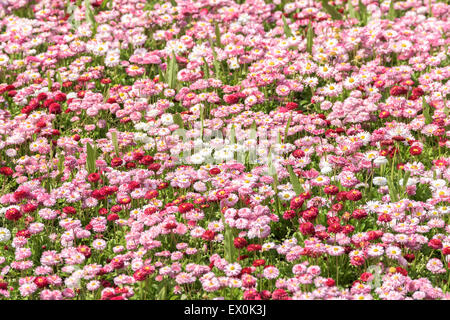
(90, 16)
(105, 4)
(230, 250)
(178, 120)
(392, 190)
(426, 111)
(61, 163)
(91, 158)
(309, 38)
(286, 130)
(58, 78)
(363, 14)
(217, 31)
(115, 142)
(335, 15)
(271, 167)
(392, 13)
(233, 134)
(162, 78)
(351, 10)
(216, 63)
(49, 81)
(206, 68)
(172, 71)
(162, 291)
(295, 181)
(405, 180)
(253, 130)
(287, 30)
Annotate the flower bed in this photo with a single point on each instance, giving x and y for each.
(224, 149)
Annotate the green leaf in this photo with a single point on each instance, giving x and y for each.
(162, 78)
(392, 190)
(230, 250)
(217, 31)
(115, 142)
(148, 6)
(162, 293)
(206, 68)
(294, 181)
(172, 71)
(217, 69)
(61, 163)
(362, 12)
(49, 81)
(426, 111)
(335, 15)
(405, 180)
(58, 78)
(287, 30)
(352, 11)
(105, 4)
(309, 38)
(288, 125)
(178, 120)
(253, 130)
(233, 134)
(202, 119)
(90, 17)
(168, 69)
(91, 158)
(271, 168)
(392, 13)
